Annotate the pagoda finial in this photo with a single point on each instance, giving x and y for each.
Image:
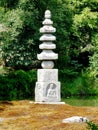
(47, 14)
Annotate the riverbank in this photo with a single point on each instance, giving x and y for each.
(19, 115)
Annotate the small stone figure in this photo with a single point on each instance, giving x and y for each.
(51, 92)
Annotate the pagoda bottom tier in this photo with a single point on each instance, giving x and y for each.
(47, 87)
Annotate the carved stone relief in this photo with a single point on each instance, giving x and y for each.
(51, 91)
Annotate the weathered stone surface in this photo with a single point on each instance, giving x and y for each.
(75, 119)
(47, 37)
(47, 92)
(47, 29)
(57, 103)
(47, 55)
(47, 46)
(47, 22)
(47, 14)
(47, 75)
(47, 64)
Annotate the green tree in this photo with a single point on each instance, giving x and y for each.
(23, 22)
(84, 30)
(76, 23)
(19, 48)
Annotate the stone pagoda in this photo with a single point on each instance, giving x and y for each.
(47, 88)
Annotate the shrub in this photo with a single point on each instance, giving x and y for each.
(82, 84)
(17, 85)
(92, 126)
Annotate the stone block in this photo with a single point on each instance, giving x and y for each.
(47, 75)
(47, 55)
(47, 92)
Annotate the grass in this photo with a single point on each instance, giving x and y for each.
(19, 115)
(92, 126)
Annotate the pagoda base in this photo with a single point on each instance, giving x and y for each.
(47, 92)
(47, 89)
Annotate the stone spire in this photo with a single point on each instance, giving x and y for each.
(47, 89)
(47, 55)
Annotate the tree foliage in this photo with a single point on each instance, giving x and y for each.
(19, 48)
(76, 23)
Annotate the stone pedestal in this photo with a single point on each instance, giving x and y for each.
(47, 87)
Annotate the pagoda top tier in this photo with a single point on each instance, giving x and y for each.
(47, 28)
